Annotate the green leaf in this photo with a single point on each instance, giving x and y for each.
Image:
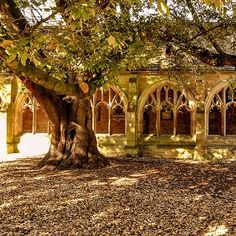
(85, 13)
(36, 61)
(23, 58)
(74, 25)
(112, 41)
(43, 38)
(13, 55)
(76, 13)
(163, 8)
(23, 42)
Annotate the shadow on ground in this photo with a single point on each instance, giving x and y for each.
(143, 196)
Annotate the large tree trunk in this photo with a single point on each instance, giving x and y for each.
(74, 145)
(73, 142)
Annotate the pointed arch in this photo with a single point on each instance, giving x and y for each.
(29, 115)
(220, 112)
(109, 106)
(175, 108)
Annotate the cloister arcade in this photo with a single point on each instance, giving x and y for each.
(148, 113)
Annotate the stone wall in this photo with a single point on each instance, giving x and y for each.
(134, 117)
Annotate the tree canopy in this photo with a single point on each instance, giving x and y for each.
(69, 42)
(88, 41)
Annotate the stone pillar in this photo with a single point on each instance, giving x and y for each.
(199, 151)
(12, 139)
(3, 134)
(131, 132)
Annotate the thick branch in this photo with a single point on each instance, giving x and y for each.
(52, 105)
(41, 77)
(213, 59)
(206, 32)
(204, 55)
(47, 105)
(44, 20)
(202, 28)
(12, 16)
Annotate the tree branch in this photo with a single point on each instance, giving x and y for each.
(207, 57)
(13, 17)
(41, 77)
(44, 20)
(48, 105)
(202, 28)
(213, 59)
(206, 32)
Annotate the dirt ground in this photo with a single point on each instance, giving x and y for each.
(140, 196)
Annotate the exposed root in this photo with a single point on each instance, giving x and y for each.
(73, 161)
(80, 151)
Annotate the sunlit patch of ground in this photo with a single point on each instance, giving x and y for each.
(34, 144)
(130, 197)
(30, 145)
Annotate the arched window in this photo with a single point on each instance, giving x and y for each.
(167, 111)
(34, 119)
(183, 125)
(27, 115)
(109, 112)
(222, 113)
(27, 118)
(149, 120)
(231, 118)
(215, 116)
(101, 119)
(118, 120)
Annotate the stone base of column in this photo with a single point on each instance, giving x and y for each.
(199, 153)
(131, 150)
(12, 145)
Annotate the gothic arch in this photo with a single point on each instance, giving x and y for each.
(220, 110)
(216, 88)
(26, 105)
(19, 102)
(160, 104)
(112, 104)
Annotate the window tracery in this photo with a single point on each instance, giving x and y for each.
(109, 112)
(167, 111)
(222, 113)
(33, 118)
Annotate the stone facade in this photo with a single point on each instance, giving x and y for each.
(157, 113)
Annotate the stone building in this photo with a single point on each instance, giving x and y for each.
(184, 116)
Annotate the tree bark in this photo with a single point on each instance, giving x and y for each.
(73, 142)
(74, 145)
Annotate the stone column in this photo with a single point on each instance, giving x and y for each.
(12, 139)
(199, 151)
(131, 132)
(3, 134)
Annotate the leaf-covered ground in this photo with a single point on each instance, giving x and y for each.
(130, 197)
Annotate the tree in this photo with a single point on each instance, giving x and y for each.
(62, 57)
